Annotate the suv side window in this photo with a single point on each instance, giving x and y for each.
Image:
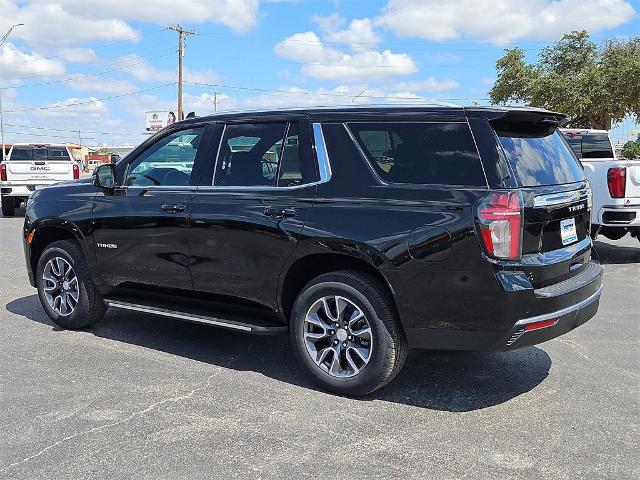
(421, 153)
(168, 162)
(259, 154)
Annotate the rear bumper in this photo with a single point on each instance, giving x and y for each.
(619, 216)
(559, 309)
(12, 190)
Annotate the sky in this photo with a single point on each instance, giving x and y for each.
(87, 70)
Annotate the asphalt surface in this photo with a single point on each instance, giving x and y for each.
(139, 396)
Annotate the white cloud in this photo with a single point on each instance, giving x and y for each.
(16, 64)
(89, 107)
(49, 22)
(202, 104)
(341, 95)
(359, 34)
(328, 63)
(200, 76)
(501, 21)
(238, 15)
(111, 86)
(142, 70)
(429, 84)
(79, 21)
(78, 54)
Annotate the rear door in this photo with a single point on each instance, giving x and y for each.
(247, 223)
(39, 164)
(557, 200)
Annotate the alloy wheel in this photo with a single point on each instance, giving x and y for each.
(60, 285)
(337, 336)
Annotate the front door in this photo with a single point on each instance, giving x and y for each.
(141, 229)
(246, 224)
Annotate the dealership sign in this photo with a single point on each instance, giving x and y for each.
(154, 121)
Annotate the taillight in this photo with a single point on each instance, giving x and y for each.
(617, 179)
(3, 172)
(76, 171)
(500, 220)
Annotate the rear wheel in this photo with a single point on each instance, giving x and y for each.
(345, 333)
(8, 206)
(65, 288)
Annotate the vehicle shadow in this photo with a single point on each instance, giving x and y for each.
(437, 380)
(608, 254)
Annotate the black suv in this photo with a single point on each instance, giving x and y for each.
(360, 231)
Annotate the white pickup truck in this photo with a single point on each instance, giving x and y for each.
(28, 167)
(615, 183)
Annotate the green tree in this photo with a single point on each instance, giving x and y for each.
(594, 85)
(631, 149)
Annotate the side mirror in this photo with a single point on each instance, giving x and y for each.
(104, 176)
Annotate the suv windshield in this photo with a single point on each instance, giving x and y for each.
(538, 156)
(35, 152)
(590, 145)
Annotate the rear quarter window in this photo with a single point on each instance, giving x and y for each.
(538, 156)
(421, 153)
(590, 145)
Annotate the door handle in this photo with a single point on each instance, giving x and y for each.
(169, 208)
(275, 212)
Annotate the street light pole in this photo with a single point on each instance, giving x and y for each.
(2, 40)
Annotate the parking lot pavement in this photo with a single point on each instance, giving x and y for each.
(149, 397)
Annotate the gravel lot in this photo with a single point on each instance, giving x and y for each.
(139, 396)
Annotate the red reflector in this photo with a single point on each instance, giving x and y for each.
(3, 172)
(541, 324)
(617, 179)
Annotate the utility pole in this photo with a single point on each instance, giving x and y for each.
(182, 33)
(215, 102)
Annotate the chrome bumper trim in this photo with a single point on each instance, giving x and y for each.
(558, 313)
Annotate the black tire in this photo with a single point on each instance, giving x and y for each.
(90, 307)
(8, 207)
(389, 350)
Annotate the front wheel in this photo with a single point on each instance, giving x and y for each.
(65, 288)
(345, 333)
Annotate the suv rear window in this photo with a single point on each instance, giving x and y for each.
(590, 145)
(421, 153)
(538, 156)
(35, 152)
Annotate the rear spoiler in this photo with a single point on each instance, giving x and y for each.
(531, 116)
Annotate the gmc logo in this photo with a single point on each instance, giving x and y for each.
(575, 208)
(40, 169)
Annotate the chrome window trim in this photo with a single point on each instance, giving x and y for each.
(324, 169)
(556, 199)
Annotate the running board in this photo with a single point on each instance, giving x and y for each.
(254, 328)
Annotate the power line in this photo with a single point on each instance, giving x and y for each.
(54, 129)
(95, 74)
(319, 94)
(95, 100)
(97, 47)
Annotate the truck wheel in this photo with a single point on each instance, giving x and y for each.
(345, 333)
(65, 288)
(8, 206)
(613, 233)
